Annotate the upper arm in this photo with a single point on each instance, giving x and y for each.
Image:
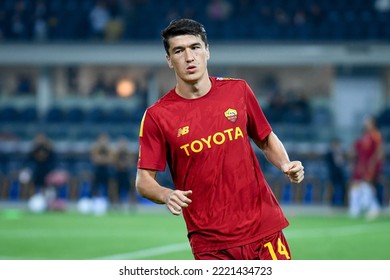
(258, 126)
(262, 144)
(152, 155)
(144, 179)
(146, 173)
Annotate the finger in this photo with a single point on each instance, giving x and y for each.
(297, 174)
(183, 196)
(295, 170)
(187, 193)
(174, 211)
(175, 201)
(180, 199)
(291, 166)
(298, 178)
(174, 208)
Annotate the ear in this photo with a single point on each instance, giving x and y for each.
(168, 58)
(207, 52)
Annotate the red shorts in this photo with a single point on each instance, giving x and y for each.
(272, 247)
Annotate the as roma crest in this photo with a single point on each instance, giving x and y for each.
(231, 115)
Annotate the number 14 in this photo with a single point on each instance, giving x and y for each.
(282, 250)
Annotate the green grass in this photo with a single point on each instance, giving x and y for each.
(72, 236)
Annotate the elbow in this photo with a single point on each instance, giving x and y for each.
(265, 143)
(139, 187)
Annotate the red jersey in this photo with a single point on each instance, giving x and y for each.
(206, 143)
(367, 164)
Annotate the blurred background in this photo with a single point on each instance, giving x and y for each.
(79, 74)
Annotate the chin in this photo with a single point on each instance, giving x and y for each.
(191, 78)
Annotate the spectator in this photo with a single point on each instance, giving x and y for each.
(336, 163)
(299, 18)
(101, 160)
(124, 162)
(219, 10)
(40, 21)
(42, 161)
(315, 14)
(19, 21)
(99, 18)
(277, 108)
(303, 105)
(100, 88)
(281, 17)
(24, 85)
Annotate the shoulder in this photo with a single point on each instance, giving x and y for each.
(228, 81)
(231, 85)
(377, 137)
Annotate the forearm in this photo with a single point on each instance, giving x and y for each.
(274, 150)
(149, 188)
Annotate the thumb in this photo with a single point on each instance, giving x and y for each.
(286, 167)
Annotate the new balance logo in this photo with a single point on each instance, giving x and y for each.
(183, 131)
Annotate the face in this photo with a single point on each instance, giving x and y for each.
(40, 138)
(103, 139)
(369, 124)
(122, 143)
(188, 56)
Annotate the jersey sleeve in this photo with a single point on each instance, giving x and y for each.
(258, 125)
(152, 149)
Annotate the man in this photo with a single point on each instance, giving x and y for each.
(202, 129)
(124, 162)
(101, 159)
(336, 162)
(368, 162)
(42, 157)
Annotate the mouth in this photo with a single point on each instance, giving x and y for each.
(191, 68)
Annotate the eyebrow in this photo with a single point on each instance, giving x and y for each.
(183, 47)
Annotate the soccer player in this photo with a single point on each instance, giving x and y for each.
(368, 163)
(202, 129)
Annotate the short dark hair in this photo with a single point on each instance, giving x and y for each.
(183, 26)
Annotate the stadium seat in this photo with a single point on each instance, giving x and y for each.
(75, 115)
(55, 115)
(96, 115)
(9, 114)
(118, 115)
(29, 114)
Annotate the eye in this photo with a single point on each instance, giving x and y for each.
(178, 51)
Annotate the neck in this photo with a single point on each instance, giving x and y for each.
(193, 90)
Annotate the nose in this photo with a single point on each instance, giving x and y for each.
(189, 55)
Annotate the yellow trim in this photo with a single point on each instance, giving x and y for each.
(141, 129)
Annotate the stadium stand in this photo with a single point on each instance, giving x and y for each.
(281, 20)
(74, 127)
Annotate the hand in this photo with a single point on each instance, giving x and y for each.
(177, 200)
(294, 171)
